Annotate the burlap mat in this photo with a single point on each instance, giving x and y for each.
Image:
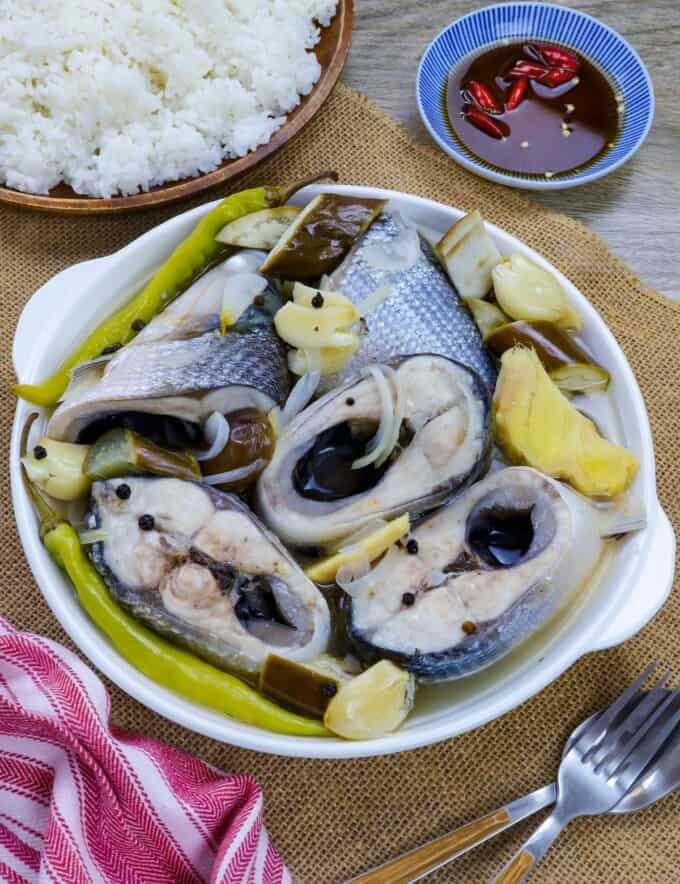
(332, 819)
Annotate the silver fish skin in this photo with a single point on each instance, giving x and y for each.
(470, 596)
(424, 314)
(182, 366)
(206, 574)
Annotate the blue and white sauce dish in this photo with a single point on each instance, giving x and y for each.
(468, 39)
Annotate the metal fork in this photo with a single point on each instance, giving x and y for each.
(601, 766)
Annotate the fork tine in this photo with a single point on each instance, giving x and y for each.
(633, 720)
(596, 730)
(620, 750)
(635, 761)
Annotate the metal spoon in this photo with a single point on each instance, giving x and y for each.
(661, 777)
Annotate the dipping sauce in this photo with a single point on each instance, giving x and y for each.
(554, 129)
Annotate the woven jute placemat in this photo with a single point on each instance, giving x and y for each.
(332, 819)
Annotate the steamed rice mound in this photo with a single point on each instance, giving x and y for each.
(116, 96)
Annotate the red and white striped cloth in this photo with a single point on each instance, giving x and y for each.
(82, 801)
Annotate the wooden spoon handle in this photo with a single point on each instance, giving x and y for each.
(422, 860)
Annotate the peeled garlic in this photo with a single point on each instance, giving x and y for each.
(60, 473)
(306, 327)
(326, 360)
(305, 294)
(372, 704)
(526, 291)
(318, 324)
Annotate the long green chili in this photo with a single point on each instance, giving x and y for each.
(161, 661)
(173, 277)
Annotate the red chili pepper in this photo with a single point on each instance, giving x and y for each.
(483, 97)
(517, 92)
(484, 123)
(527, 69)
(553, 56)
(557, 77)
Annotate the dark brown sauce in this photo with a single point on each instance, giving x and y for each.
(553, 131)
(163, 429)
(501, 537)
(324, 472)
(251, 438)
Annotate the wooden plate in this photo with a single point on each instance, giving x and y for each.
(331, 51)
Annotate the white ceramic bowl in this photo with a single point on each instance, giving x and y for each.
(635, 582)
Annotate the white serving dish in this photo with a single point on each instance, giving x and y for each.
(634, 584)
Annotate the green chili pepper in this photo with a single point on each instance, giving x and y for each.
(157, 658)
(174, 276)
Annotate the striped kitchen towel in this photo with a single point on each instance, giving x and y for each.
(82, 801)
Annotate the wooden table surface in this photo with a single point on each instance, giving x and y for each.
(636, 209)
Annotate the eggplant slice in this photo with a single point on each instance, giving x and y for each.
(477, 577)
(310, 495)
(195, 564)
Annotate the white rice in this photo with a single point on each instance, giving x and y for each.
(116, 96)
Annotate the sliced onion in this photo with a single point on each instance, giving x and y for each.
(238, 293)
(434, 578)
(312, 357)
(216, 431)
(356, 577)
(299, 396)
(398, 254)
(396, 422)
(351, 665)
(304, 360)
(375, 299)
(271, 633)
(274, 418)
(378, 444)
(92, 535)
(236, 475)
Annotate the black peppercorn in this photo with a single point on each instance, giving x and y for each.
(123, 491)
(408, 599)
(329, 689)
(412, 547)
(317, 300)
(39, 452)
(146, 522)
(349, 401)
(138, 325)
(112, 349)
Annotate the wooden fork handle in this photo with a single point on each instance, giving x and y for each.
(419, 862)
(534, 848)
(517, 868)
